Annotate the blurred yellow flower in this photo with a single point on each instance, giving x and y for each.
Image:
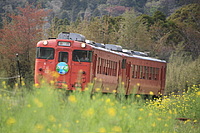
(39, 127)
(49, 130)
(159, 119)
(151, 93)
(66, 131)
(138, 96)
(36, 85)
(102, 130)
(52, 82)
(150, 114)
(16, 84)
(97, 89)
(38, 103)
(198, 93)
(89, 112)
(117, 129)
(114, 91)
(139, 118)
(52, 118)
(28, 105)
(153, 124)
(23, 83)
(11, 121)
(72, 99)
(55, 74)
(111, 111)
(141, 109)
(3, 82)
(108, 100)
(138, 84)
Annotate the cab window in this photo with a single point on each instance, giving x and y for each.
(82, 56)
(63, 57)
(45, 53)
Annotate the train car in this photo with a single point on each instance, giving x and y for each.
(70, 61)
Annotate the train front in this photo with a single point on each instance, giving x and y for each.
(64, 62)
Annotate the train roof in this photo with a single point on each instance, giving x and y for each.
(116, 49)
(127, 55)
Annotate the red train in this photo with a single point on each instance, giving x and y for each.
(70, 62)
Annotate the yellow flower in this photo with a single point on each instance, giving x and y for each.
(16, 84)
(166, 125)
(124, 107)
(153, 124)
(159, 119)
(72, 99)
(49, 130)
(39, 127)
(89, 112)
(66, 131)
(38, 103)
(52, 118)
(114, 91)
(138, 84)
(111, 111)
(150, 114)
(29, 105)
(55, 74)
(36, 85)
(77, 121)
(138, 96)
(141, 109)
(102, 130)
(97, 89)
(139, 118)
(11, 121)
(198, 93)
(23, 83)
(117, 129)
(108, 100)
(151, 93)
(52, 82)
(3, 82)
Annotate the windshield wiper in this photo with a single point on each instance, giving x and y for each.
(78, 58)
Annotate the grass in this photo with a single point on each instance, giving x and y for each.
(46, 109)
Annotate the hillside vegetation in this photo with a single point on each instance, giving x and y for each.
(173, 36)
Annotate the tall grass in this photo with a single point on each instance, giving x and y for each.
(46, 109)
(182, 72)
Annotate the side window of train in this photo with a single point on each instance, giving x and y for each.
(63, 57)
(123, 63)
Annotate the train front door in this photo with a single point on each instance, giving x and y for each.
(63, 64)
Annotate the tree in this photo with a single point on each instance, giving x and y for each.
(20, 36)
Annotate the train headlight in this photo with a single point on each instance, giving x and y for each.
(83, 45)
(45, 42)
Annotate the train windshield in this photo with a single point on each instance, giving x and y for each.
(44, 53)
(63, 57)
(82, 56)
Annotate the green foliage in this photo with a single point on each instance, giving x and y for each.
(46, 109)
(182, 72)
